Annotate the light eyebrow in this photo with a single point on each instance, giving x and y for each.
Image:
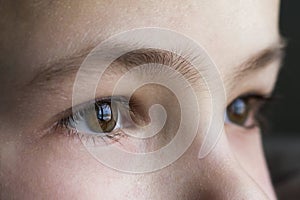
(65, 67)
(69, 65)
(260, 60)
(60, 68)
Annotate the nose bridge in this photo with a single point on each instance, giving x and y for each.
(224, 177)
(219, 175)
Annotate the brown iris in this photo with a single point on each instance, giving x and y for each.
(238, 111)
(102, 117)
(106, 116)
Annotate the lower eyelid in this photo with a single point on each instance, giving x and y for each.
(93, 139)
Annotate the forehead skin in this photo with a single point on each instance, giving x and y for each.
(35, 32)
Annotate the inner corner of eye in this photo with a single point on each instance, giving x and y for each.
(139, 112)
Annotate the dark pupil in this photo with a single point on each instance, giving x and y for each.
(104, 112)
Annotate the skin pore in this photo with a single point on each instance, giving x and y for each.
(35, 34)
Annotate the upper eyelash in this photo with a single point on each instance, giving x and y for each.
(72, 113)
(68, 112)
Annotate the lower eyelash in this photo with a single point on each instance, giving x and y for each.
(63, 126)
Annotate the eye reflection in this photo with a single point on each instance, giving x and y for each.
(238, 111)
(106, 118)
(101, 118)
(104, 112)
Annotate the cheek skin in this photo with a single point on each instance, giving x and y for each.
(247, 147)
(58, 167)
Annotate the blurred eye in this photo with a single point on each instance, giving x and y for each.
(102, 118)
(237, 112)
(245, 111)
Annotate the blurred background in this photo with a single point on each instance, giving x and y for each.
(282, 138)
(285, 118)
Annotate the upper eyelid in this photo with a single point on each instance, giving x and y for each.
(262, 97)
(82, 106)
(252, 94)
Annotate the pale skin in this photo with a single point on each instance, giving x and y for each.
(57, 167)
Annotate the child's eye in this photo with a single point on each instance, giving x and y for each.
(100, 119)
(238, 112)
(244, 111)
(107, 117)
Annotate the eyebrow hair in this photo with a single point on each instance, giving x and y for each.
(66, 66)
(261, 59)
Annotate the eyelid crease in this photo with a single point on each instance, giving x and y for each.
(262, 58)
(258, 61)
